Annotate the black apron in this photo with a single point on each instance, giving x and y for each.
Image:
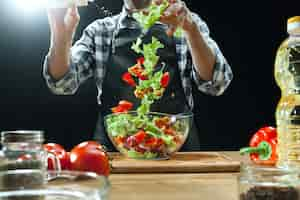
(115, 89)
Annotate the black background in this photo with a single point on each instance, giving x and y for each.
(248, 32)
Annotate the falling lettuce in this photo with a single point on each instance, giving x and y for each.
(154, 14)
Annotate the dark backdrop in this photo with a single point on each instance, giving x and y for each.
(248, 32)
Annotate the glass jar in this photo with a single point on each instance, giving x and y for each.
(23, 150)
(268, 183)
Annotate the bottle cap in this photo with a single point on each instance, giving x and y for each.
(293, 24)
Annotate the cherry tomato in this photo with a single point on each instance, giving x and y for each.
(61, 153)
(90, 156)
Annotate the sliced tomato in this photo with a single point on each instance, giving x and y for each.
(169, 131)
(119, 140)
(127, 78)
(164, 82)
(118, 109)
(123, 106)
(140, 136)
(126, 105)
(138, 71)
(140, 60)
(150, 142)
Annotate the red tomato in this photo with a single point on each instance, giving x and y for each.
(164, 82)
(90, 156)
(61, 153)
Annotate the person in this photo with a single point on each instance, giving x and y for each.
(104, 53)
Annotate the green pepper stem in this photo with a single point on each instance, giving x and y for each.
(248, 150)
(264, 150)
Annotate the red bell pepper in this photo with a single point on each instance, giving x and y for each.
(263, 147)
(127, 78)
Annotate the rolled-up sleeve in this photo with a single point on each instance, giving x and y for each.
(222, 74)
(82, 62)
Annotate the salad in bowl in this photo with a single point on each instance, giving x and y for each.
(151, 136)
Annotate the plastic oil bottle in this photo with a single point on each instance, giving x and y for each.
(287, 75)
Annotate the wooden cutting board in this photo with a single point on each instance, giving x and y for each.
(187, 162)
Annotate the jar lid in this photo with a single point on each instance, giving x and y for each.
(293, 24)
(22, 136)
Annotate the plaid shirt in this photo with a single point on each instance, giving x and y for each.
(89, 57)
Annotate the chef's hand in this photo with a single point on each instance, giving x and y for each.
(63, 23)
(176, 15)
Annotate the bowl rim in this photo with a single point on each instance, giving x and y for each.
(182, 115)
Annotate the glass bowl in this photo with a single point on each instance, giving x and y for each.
(154, 136)
(65, 185)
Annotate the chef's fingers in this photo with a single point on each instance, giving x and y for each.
(171, 30)
(158, 2)
(173, 1)
(145, 12)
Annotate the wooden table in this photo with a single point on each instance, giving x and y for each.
(176, 186)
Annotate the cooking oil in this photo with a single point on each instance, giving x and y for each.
(287, 76)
